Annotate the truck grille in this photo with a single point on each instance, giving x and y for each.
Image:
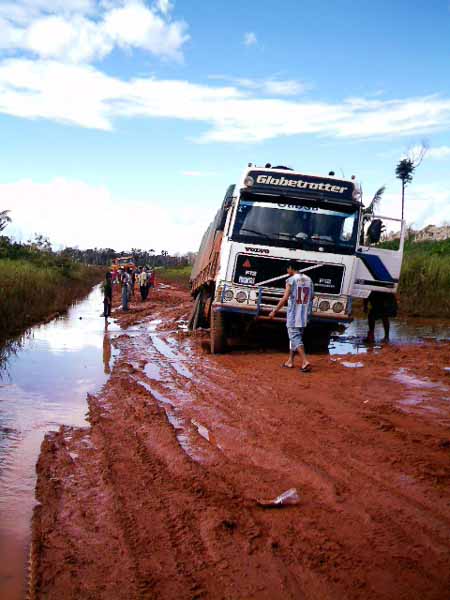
(251, 270)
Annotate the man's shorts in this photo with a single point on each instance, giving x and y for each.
(295, 338)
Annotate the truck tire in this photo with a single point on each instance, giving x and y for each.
(218, 333)
(317, 338)
(193, 320)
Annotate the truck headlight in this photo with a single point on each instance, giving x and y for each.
(241, 296)
(324, 305)
(338, 307)
(228, 295)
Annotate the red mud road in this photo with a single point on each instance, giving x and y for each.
(157, 499)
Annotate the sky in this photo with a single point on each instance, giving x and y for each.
(124, 121)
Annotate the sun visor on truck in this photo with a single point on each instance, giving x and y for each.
(299, 186)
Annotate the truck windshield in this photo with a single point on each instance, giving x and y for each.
(297, 226)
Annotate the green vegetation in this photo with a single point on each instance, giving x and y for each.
(36, 283)
(176, 274)
(425, 279)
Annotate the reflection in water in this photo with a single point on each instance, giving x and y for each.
(9, 348)
(43, 383)
(106, 352)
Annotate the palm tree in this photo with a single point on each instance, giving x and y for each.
(406, 167)
(404, 171)
(4, 219)
(375, 201)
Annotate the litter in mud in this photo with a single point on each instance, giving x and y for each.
(352, 365)
(205, 433)
(289, 497)
(182, 326)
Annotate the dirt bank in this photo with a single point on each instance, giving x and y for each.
(157, 499)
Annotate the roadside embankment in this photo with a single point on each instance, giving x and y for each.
(32, 292)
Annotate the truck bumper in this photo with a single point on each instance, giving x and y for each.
(258, 302)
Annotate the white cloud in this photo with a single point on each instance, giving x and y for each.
(269, 87)
(440, 152)
(76, 213)
(425, 204)
(82, 31)
(288, 87)
(164, 6)
(83, 95)
(250, 39)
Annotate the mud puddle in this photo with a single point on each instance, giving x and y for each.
(43, 384)
(402, 331)
(419, 392)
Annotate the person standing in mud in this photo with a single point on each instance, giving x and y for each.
(298, 296)
(107, 296)
(143, 284)
(132, 281)
(380, 305)
(125, 282)
(151, 279)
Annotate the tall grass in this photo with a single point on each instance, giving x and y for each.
(30, 292)
(425, 278)
(425, 283)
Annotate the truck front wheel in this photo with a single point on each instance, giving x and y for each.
(218, 332)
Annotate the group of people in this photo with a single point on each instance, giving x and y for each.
(127, 279)
(299, 295)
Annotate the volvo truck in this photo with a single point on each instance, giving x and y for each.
(271, 217)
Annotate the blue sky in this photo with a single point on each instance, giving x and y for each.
(123, 121)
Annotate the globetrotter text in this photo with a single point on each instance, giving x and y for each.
(298, 183)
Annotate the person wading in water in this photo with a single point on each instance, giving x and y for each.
(380, 305)
(107, 297)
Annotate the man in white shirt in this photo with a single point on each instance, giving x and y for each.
(298, 296)
(143, 283)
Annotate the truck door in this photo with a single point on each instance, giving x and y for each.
(379, 255)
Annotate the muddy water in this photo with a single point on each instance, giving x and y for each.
(402, 331)
(43, 383)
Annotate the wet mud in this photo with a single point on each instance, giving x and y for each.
(160, 496)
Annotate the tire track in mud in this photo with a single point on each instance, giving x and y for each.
(186, 542)
(434, 535)
(400, 524)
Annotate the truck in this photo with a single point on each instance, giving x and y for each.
(271, 217)
(123, 262)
